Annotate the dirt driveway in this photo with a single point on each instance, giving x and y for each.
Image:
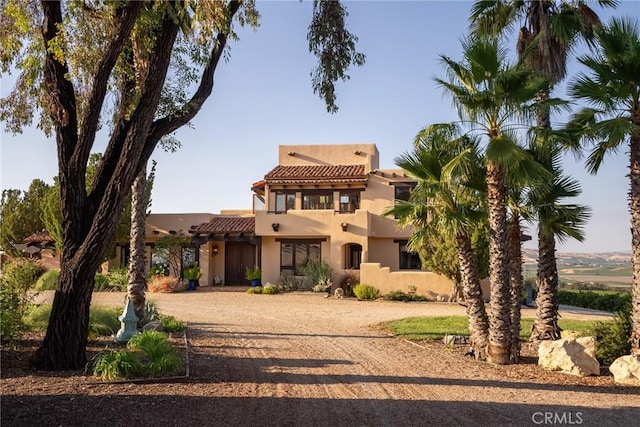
(304, 360)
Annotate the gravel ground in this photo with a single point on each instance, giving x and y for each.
(304, 360)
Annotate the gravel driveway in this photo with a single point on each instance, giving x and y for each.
(305, 360)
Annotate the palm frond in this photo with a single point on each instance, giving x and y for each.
(495, 17)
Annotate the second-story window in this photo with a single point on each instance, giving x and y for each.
(403, 191)
(349, 201)
(285, 201)
(317, 200)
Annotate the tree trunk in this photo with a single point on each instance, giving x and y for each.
(138, 257)
(65, 342)
(476, 313)
(500, 320)
(634, 208)
(545, 326)
(515, 278)
(89, 217)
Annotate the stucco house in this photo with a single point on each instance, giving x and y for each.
(319, 202)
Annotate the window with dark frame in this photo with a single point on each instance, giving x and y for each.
(402, 191)
(354, 256)
(125, 254)
(408, 260)
(349, 201)
(285, 200)
(319, 199)
(294, 254)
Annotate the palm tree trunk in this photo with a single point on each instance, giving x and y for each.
(634, 208)
(476, 313)
(515, 277)
(136, 275)
(545, 326)
(499, 346)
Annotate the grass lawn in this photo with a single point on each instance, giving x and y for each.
(435, 328)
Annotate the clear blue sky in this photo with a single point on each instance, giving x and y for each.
(263, 98)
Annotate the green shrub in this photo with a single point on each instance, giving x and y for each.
(287, 282)
(316, 272)
(159, 269)
(19, 277)
(269, 289)
(612, 302)
(171, 324)
(116, 281)
(586, 286)
(103, 321)
(151, 343)
(12, 308)
(613, 336)
(157, 357)
(37, 317)
(102, 283)
(116, 365)
(23, 273)
(255, 290)
(48, 281)
(365, 292)
(402, 296)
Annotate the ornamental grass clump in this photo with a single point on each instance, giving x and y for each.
(365, 292)
(148, 354)
(171, 324)
(116, 365)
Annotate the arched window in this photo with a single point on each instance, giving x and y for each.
(353, 256)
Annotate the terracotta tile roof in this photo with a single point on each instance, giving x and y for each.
(227, 224)
(40, 237)
(329, 174)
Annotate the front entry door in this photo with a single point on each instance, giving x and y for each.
(238, 256)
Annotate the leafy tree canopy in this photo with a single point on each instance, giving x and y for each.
(21, 215)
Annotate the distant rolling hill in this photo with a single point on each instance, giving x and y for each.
(613, 268)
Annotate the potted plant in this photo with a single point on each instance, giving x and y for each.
(253, 274)
(192, 274)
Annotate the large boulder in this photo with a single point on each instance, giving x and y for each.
(626, 370)
(575, 356)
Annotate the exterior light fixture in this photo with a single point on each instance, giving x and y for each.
(214, 250)
(275, 226)
(344, 226)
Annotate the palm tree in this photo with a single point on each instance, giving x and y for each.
(137, 281)
(555, 221)
(448, 202)
(612, 87)
(496, 99)
(545, 40)
(518, 211)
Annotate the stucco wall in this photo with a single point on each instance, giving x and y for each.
(426, 283)
(338, 154)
